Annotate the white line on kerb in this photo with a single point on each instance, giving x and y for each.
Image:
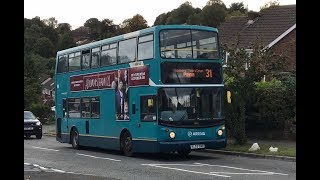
(98, 157)
(152, 165)
(44, 148)
(230, 167)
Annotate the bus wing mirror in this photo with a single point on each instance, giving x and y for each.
(229, 96)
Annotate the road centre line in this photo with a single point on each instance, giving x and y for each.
(196, 172)
(242, 169)
(98, 157)
(44, 148)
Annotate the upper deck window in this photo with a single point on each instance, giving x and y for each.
(62, 64)
(189, 44)
(109, 54)
(95, 56)
(145, 47)
(74, 61)
(127, 51)
(85, 59)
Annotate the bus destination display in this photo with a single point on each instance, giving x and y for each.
(194, 73)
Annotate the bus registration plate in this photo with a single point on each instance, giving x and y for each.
(28, 128)
(197, 146)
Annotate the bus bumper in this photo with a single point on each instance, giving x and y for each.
(161, 146)
(182, 145)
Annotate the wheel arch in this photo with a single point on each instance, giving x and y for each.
(121, 135)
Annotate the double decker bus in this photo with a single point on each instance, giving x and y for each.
(154, 90)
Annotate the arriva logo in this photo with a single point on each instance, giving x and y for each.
(196, 133)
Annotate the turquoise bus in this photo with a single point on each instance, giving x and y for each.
(154, 90)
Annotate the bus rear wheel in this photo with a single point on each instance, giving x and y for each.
(126, 144)
(75, 139)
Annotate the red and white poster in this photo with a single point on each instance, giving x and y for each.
(135, 76)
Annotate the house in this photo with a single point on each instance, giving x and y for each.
(274, 29)
(48, 91)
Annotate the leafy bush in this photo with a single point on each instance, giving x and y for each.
(235, 120)
(41, 111)
(275, 103)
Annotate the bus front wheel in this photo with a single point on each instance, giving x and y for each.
(126, 144)
(75, 139)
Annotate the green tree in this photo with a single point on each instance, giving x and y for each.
(65, 41)
(94, 28)
(194, 19)
(135, 23)
(108, 28)
(237, 7)
(270, 4)
(51, 33)
(32, 87)
(245, 70)
(214, 13)
(44, 47)
(51, 22)
(63, 28)
(31, 35)
(181, 14)
(161, 19)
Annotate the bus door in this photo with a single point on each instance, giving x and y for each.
(61, 110)
(64, 121)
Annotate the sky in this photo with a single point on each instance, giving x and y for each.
(76, 12)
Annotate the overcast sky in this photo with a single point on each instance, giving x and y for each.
(76, 12)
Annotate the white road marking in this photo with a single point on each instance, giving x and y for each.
(27, 164)
(57, 170)
(230, 167)
(193, 165)
(43, 168)
(242, 173)
(44, 148)
(81, 173)
(98, 157)
(196, 172)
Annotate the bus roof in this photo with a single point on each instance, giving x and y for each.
(132, 34)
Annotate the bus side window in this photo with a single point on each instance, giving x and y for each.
(148, 108)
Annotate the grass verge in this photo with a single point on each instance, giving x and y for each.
(264, 149)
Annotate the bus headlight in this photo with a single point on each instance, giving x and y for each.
(172, 135)
(220, 132)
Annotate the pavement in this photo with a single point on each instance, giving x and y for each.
(49, 130)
